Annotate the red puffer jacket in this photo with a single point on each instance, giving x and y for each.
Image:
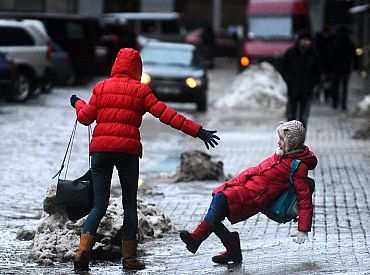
(118, 104)
(258, 186)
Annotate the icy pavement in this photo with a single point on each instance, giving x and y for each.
(339, 241)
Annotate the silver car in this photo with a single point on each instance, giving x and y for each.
(30, 49)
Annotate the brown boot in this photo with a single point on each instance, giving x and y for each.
(233, 252)
(83, 253)
(129, 260)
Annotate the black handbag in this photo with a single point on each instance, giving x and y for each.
(76, 195)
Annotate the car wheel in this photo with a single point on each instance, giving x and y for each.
(202, 103)
(47, 87)
(71, 79)
(22, 89)
(48, 84)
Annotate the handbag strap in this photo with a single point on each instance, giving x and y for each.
(69, 150)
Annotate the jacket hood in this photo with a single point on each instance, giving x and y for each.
(306, 156)
(128, 62)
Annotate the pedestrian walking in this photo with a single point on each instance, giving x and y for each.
(344, 62)
(117, 104)
(254, 189)
(208, 45)
(324, 43)
(301, 72)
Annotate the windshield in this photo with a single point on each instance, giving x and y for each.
(276, 27)
(267, 27)
(167, 56)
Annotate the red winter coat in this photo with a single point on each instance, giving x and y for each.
(258, 186)
(118, 104)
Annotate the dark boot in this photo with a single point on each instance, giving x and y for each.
(194, 240)
(83, 253)
(129, 256)
(233, 252)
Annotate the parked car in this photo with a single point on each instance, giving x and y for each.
(8, 71)
(164, 26)
(30, 50)
(175, 72)
(61, 62)
(115, 34)
(76, 34)
(226, 42)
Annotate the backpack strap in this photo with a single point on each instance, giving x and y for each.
(293, 167)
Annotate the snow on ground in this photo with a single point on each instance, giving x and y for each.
(258, 86)
(56, 238)
(363, 107)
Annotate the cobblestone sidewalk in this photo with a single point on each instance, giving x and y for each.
(339, 241)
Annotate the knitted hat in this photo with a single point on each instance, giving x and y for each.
(293, 134)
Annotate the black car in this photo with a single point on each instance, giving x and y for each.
(175, 72)
(7, 77)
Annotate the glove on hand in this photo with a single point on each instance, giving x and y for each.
(300, 237)
(208, 137)
(73, 100)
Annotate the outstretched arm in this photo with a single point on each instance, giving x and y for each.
(170, 117)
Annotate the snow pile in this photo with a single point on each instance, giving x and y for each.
(56, 238)
(197, 165)
(363, 107)
(259, 86)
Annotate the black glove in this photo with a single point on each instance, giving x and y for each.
(73, 100)
(208, 137)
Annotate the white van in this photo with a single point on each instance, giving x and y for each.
(164, 26)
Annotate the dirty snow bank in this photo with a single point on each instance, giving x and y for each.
(197, 165)
(363, 109)
(259, 86)
(56, 238)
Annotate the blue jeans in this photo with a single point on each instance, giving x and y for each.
(217, 212)
(128, 171)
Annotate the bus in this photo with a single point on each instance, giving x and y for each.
(272, 26)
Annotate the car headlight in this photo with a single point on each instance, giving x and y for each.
(145, 78)
(192, 82)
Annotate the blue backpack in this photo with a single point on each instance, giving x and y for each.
(284, 208)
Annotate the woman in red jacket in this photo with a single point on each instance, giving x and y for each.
(117, 104)
(254, 189)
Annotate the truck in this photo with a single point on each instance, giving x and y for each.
(272, 26)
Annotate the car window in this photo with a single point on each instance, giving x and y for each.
(148, 26)
(170, 26)
(267, 27)
(167, 56)
(75, 31)
(13, 36)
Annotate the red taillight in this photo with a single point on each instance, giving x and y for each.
(68, 60)
(48, 52)
(13, 68)
(244, 61)
(115, 38)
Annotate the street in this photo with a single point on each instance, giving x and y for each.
(34, 137)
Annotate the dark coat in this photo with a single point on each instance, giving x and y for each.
(300, 70)
(344, 53)
(256, 187)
